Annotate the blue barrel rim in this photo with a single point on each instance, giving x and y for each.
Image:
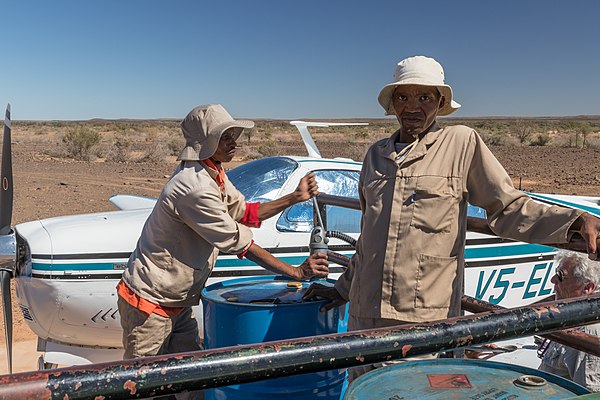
(564, 383)
(206, 294)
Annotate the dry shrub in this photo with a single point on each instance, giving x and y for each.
(247, 153)
(175, 145)
(155, 154)
(594, 143)
(151, 135)
(79, 142)
(494, 138)
(119, 151)
(522, 131)
(268, 148)
(542, 139)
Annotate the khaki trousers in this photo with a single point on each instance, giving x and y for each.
(150, 335)
(356, 324)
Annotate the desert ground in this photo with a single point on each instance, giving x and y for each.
(137, 157)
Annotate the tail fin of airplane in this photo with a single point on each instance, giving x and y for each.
(310, 144)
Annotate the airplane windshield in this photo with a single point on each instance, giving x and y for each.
(261, 180)
(299, 217)
(474, 211)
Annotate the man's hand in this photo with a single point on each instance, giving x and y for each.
(315, 266)
(589, 229)
(316, 290)
(307, 188)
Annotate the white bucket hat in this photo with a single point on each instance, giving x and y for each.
(418, 70)
(202, 129)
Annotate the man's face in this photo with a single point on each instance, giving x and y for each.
(565, 284)
(226, 149)
(416, 107)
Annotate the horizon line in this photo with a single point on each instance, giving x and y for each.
(489, 117)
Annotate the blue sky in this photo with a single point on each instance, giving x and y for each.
(292, 59)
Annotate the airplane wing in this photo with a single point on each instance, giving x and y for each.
(132, 202)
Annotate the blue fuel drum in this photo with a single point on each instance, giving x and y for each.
(447, 378)
(263, 309)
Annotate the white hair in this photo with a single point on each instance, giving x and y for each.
(584, 270)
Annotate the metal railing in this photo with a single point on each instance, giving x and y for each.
(163, 375)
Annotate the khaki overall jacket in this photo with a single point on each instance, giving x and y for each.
(191, 221)
(409, 261)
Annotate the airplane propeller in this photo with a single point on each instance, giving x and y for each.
(7, 235)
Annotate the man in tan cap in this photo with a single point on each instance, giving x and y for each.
(198, 214)
(414, 188)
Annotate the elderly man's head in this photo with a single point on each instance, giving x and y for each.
(576, 275)
(417, 94)
(416, 107)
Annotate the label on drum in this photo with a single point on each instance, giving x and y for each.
(449, 381)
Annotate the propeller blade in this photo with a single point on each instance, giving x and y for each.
(7, 308)
(6, 188)
(7, 236)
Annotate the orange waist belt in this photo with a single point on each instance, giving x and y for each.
(144, 305)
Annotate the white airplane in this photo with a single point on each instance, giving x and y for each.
(66, 268)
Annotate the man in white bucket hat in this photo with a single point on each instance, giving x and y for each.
(198, 214)
(414, 187)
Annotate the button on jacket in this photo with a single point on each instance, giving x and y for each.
(191, 221)
(409, 262)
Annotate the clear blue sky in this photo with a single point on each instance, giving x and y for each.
(292, 59)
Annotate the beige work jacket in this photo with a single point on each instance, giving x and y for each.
(409, 263)
(191, 221)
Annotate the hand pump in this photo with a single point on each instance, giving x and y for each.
(318, 238)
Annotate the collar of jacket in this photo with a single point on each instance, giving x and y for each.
(389, 149)
(211, 172)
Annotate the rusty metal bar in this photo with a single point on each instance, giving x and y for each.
(153, 376)
(339, 201)
(576, 242)
(569, 337)
(478, 225)
(338, 258)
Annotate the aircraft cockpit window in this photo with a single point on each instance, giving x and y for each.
(299, 218)
(261, 180)
(477, 212)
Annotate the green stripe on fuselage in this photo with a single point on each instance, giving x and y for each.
(508, 251)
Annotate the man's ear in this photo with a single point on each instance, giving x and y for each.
(589, 288)
(442, 101)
